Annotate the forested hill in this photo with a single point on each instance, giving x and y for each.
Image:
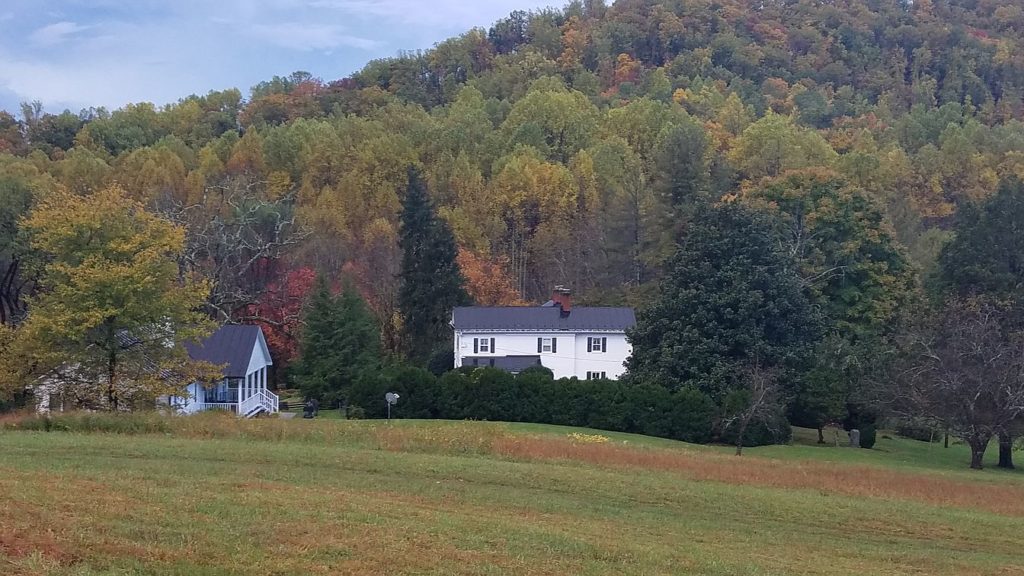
(563, 146)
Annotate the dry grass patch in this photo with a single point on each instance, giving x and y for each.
(863, 481)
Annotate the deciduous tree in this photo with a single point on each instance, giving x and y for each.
(114, 309)
(962, 369)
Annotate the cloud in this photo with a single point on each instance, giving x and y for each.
(448, 14)
(82, 53)
(299, 36)
(55, 33)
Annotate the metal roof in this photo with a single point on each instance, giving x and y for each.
(512, 364)
(543, 318)
(231, 345)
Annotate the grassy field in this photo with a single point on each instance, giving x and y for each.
(214, 495)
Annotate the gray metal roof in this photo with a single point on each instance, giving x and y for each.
(231, 345)
(543, 318)
(507, 363)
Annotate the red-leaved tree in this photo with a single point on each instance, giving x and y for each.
(279, 312)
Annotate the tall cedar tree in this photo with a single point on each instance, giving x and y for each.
(986, 258)
(431, 282)
(729, 297)
(340, 343)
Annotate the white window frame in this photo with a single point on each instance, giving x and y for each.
(546, 345)
(485, 346)
(596, 344)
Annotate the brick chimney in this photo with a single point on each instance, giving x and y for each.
(562, 296)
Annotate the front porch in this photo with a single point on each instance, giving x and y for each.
(246, 397)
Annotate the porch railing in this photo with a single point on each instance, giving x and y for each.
(261, 399)
(230, 406)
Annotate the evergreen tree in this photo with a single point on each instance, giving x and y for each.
(340, 344)
(681, 170)
(431, 282)
(730, 298)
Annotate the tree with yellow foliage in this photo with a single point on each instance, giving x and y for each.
(113, 310)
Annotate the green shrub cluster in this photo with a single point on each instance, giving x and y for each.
(916, 430)
(535, 396)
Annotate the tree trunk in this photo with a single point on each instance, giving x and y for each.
(945, 442)
(978, 445)
(1006, 451)
(821, 434)
(739, 436)
(111, 377)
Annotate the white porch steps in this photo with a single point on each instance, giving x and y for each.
(262, 401)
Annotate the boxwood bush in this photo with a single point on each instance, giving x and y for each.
(535, 396)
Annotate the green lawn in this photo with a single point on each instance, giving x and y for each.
(218, 496)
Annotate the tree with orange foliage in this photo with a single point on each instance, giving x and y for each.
(486, 280)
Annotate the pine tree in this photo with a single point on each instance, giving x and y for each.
(340, 343)
(431, 282)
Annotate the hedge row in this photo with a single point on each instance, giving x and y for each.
(534, 396)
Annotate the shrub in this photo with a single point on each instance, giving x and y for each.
(693, 415)
(485, 393)
(537, 371)
(867, 436)
(917, 431)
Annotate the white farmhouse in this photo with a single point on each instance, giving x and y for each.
(584, 341)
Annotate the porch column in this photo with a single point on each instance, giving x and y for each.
(263, 378)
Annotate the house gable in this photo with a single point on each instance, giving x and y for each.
(259, 357)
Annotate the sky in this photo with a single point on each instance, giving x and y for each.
(78, 54)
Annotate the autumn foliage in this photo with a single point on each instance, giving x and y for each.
(486, 280)
(279, 312)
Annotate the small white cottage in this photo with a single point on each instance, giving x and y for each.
(243, 353)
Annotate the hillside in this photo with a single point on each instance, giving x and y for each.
(222, 496)
(777, 188)
(562, 146)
